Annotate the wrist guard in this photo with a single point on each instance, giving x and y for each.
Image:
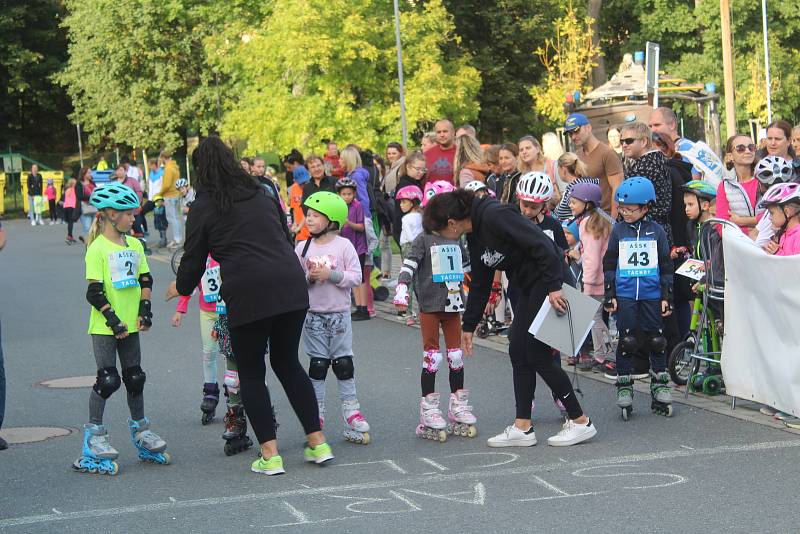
(113, 322)
(145, 313)
(401, 295)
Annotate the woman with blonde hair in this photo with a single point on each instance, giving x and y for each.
(574, 172)
(470, 164)
(531, 158)
(428, 141)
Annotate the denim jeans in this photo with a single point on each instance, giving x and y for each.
(174, 218)
(86, 222)
(2, 381)
(31, 214)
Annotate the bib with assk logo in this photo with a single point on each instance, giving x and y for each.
(638, 258)
(124, 268)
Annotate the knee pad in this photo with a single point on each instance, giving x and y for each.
(318, 368)
(107, 382)
(431, 360)
(656, 342)
(343, 368)
(231, 382)
(629, 343)
(134, 378)
(455, 359)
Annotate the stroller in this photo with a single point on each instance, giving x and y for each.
(695, 362)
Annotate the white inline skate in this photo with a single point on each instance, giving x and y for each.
(431, 423)
(357, 430)
(461, 419)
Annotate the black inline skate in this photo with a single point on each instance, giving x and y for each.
(235, 435)
(209, 404)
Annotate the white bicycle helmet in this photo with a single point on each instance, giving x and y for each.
(475, 185)
(773, 170)
(535, 187)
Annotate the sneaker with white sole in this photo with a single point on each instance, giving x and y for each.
(513, 437)
(572, 433)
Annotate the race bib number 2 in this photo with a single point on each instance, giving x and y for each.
(446, 263)
(638, 259)
(124, 267)
(210, 284)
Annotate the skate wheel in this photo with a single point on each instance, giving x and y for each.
(442, 436)
(166, 457)
(712, 385)
(207, 418)
(365, 441)
(472, 431)
(668, 411)
(114, 469)
(626, 414)
(229, 450)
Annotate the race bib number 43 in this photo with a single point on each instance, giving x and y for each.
(638, 258)
(446, 263)
(124, 267)
(210, 284)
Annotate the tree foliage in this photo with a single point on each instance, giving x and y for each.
(299, 77)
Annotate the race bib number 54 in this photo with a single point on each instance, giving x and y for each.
(124, 267)
(446, 263)
(638, 258)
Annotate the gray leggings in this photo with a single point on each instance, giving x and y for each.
(106, 349)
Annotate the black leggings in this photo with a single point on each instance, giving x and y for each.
(249, 344)
(530, 356)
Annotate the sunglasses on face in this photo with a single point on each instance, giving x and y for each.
(628, 140)
(741, 149)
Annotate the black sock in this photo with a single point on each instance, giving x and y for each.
(456, 380)
(428, 382)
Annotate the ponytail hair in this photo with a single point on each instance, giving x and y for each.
(598, 224)
(97, 227)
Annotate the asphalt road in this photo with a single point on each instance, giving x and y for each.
(696, 472)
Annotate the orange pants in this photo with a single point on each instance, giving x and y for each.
(451, 327)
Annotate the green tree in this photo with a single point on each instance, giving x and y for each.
(136, 72)
(318, 69)
(33, 111)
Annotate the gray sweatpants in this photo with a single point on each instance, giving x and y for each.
(330, 336)
(106, 349)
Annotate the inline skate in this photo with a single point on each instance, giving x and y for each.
(357, 430)
(661, 392)
(235, 435)
(150, 446)
(431, 423)
(625, 395)
(98, 456)
(461, 419)
(209, 403)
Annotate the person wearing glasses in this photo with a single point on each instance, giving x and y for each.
(647, 161)
(736, 195)
(412, 172)
(600, 159)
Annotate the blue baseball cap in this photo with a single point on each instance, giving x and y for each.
(300, 175)
(574, 121)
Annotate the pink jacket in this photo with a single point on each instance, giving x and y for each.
(592, 252)
(183, 302)
(790, 242)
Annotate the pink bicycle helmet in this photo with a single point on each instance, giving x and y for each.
(587, 192)
(409, 192)
(780, 194)
(535, 187)
(436, 188)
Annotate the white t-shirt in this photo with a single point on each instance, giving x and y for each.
(412, 227)
(765, 230)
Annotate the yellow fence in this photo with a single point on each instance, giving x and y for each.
(56, 176)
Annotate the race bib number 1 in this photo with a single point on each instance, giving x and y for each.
(124, 267)
(446, 263)
(638, 259)
(210, 284)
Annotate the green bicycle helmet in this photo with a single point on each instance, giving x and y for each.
(330, 205)
(115, 196)
(701, 189)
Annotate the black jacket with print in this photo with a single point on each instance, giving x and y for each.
(502, 239)
(653, 166)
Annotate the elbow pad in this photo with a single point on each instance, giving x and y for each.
(146, 281)
(96, 296)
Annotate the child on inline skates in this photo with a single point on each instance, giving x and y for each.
(434, 263)
(119, 293)
(638, 287)
(207, 296)
(594, 227)
(332, 270)
(410, 200)
(354, 230)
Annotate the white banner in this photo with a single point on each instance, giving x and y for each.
(761, 347)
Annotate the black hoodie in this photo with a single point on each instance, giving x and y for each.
(503, 239)
(261, 276)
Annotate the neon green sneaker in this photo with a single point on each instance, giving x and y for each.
(319, 454)
(272, 466)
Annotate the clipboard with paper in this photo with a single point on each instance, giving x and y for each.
(565, 333)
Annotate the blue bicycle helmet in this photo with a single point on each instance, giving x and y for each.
(636, 190)
(701, 189)
(115, 196)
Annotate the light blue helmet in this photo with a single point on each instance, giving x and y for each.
(636, 190)
(115, 196)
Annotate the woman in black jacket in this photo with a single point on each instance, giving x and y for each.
(241, 225)
(500, 238)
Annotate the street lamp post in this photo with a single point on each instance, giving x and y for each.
(766, 59)
(400, 74)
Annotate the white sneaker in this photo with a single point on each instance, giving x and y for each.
(513, 437)
(51, 223)
(572, 433)
(33, 222)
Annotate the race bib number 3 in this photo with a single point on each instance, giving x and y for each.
(638, 258)
(210, 284)
(446, 263)
(124, 267)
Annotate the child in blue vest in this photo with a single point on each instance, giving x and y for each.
(638, 287)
